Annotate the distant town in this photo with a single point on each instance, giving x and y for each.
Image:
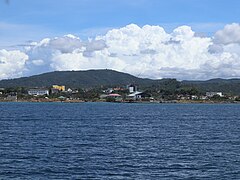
(130, 93)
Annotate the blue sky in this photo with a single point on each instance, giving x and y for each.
(23, 20)
(183, 39)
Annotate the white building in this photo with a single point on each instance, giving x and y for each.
(69, 90)
(38, 92)
(138, 95)
(132, 88)
(194, 97)
(211, 94)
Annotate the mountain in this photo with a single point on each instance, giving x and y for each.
(89, 78)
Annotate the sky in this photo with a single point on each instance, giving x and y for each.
(183, 39)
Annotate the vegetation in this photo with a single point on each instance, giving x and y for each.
(90, 85)
(227, 86)
(76, 79)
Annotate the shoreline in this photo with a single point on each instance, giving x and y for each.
(127, 102)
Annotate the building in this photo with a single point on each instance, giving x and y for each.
(111, 97)
(115, 97)
(211, 94)
(132, 88)
(138, 96)
(38, 92)
(60, 88)
(11, 97)
(194, 97)
(69, 90)
(54, 91)
(203, 97)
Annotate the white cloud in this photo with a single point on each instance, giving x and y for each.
(229, 34)
(147, 51)
(12, 63)
(38, 62)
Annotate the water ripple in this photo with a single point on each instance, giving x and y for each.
(119, 141)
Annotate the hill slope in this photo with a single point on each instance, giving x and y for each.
(90, 78)
(97, 78)
(227, 86)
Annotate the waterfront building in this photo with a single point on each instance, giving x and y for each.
(38, 92)
(211, 94)
(138, 96)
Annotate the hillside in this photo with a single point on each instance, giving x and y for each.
(90, 78)
(227, 86)
(97, 78)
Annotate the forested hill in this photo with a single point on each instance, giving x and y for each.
(227, 86)
(90, 78)
(97, 78)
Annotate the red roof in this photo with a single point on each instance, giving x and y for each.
(114, 95)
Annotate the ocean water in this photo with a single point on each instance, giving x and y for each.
(119, 141)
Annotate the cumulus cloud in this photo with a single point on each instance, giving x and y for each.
(230, 34)
(12, 63)
(147, 51)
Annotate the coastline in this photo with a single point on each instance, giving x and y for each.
(128, 102)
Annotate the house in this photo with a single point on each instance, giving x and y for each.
(194, 97)
(203, 97)
(211, 94)
(69, 90)
(138, 96)
(38, 92)
(60, 88)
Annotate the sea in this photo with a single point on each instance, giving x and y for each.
(119, 141)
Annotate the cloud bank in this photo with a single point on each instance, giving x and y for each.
(147, 51)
